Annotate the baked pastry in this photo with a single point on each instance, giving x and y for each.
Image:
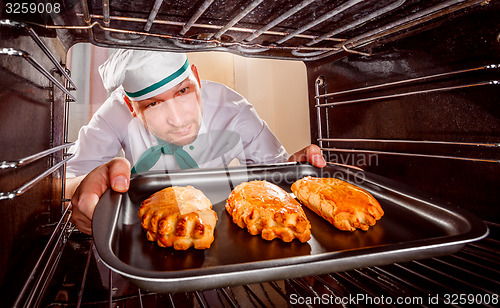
(344, 205)
(179, 217)
(264, 208)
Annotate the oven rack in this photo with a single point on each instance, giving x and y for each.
(35, 64)
(43, 271)
(236, 36)
(20, 53)
(473, 270)
(434, 12)
(321, 103)
(69, 85)
(39, 42)
(14, 164)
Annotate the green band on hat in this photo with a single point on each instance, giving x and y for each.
(160, 83)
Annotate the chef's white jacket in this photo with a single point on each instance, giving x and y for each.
(230, 129)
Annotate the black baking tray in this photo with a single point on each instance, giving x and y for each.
(413, 227)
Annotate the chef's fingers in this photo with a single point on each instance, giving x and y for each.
(311, 154)
(87, 195)
(119, 174)
(83, 210)
(91, 188)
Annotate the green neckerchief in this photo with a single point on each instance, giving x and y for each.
(151, 156)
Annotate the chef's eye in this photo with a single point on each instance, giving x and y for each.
(152, 104)
(183, 90)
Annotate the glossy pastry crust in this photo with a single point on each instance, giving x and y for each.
(179, 217)
(264, 208)
(344, 205)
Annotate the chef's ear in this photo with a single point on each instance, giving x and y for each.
(194, 69)
(129, 104)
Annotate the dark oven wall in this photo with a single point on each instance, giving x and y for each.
(465, 174)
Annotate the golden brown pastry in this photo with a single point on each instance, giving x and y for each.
(179, 217)
(344, 205)
(266, 209)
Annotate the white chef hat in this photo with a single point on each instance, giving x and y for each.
(144, 74)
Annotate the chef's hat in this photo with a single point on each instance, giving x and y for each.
(144, 74)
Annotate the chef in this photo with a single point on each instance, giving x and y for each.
(161, 116)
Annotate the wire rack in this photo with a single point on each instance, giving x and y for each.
(329, 100)
(304, 30)
(473, 271)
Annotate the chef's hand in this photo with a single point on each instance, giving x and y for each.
(310, 154)
(89, 188)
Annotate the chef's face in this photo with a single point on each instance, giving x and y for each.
(174, 115)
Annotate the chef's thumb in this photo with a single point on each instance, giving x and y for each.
(119, 174)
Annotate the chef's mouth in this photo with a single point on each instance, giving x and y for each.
(184, 131)
(183, 136)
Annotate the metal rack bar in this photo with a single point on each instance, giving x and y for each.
(139, 295)
(227, 297)
(279, 291)
(195, 17)
(357, 22)
(171, 23)
(238, 17)
(411, 80)
(32, 158)
(328, 285)
(65, 218)
(319, 82)
(65, 140)
(200, 300)
(299, 282)
(39, 42)
(278, 20)
(211, 42)
(474, 263)
(406, 268)
(465, 270)
(321, 19)
(254, 296)
(21, 190)
(152, 15)
(411, 141)
(451, 277)
(110, 288)
(106, 13)
(370, 279)
(106, 17)
(50, 265)
(484, 83)
(84, 278)
(34, 63)
(346, 276)
(396, 280)
(411, 154)
(433, 12)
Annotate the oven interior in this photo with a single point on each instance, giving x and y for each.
(403, 89)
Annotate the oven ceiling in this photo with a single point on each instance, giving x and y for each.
(285, 29)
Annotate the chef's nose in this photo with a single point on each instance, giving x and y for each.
(175, 114)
